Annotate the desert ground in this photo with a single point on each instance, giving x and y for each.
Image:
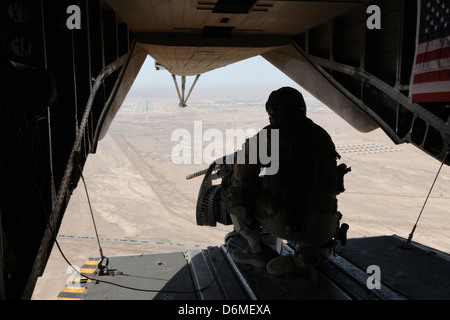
(142, 202)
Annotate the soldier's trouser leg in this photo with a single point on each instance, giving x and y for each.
(256, 254)
(253, 238)
(318, 224)
(238, 207)
(317, 231)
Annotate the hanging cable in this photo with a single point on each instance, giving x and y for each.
(103, 263)
(408, 242)
(75, 86)
(92, 214)
(103, 268)
(53, 235)
(52, 179)
(43, 35)
(52, 176)
(88, 33)
(90, 133)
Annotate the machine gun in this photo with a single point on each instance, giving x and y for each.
(211, 207)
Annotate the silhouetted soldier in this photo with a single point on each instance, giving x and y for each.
(296, 203)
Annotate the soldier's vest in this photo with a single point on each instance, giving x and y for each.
(308, 180)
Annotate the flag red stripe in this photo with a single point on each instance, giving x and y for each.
(441, 53)
(430, 97)
(432, 76)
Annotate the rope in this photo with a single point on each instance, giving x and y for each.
(43, 35)
(75, 86)
(52, 177)
(92, 213)
(103, 267)
(408, 242)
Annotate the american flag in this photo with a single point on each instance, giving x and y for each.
(430, 79)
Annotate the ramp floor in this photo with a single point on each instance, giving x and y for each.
(210, 274)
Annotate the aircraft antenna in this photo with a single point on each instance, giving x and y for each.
(408, 242)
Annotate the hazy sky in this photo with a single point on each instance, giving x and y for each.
(253, 73)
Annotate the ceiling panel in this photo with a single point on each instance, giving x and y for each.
(190, 37)
(190, 61)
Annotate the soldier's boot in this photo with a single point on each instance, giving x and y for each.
(305, 257)
(257, 253)
(247, 255)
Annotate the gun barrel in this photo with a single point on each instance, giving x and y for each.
(199, 173)
(219, 162)
(196, 174)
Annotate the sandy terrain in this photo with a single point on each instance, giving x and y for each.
(142, 202)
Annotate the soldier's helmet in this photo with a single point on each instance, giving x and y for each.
(284, 104)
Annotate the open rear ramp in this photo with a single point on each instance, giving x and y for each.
(412, 272)
(416, 273)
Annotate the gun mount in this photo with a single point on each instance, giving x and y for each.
(211, 207)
